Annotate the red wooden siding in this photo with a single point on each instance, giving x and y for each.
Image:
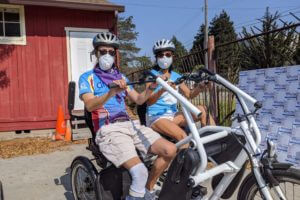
(38, 71)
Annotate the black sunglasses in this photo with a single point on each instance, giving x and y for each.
(160, 55)
(110, 52)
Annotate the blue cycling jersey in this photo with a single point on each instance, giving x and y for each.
(113, 109)
(166, 104)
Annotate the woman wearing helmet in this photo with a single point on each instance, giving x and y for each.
(162, 114)
(118, 136)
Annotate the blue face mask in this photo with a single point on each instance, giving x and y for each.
(164, 62)
(106, 61)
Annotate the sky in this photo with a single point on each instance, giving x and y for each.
(157, 19)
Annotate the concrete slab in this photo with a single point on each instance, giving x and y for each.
(40, 176)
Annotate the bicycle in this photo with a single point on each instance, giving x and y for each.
(1, 192)
(267, 174)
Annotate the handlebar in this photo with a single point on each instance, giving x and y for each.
(113, 85)
(152, 79)
(202, 75)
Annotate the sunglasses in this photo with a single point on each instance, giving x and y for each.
(160, 55)
(110, 52)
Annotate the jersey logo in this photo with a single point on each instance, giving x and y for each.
(100, 85)
(83, 86)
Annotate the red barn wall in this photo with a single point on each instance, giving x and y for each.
(37, 72)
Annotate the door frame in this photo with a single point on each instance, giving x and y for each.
(76, 29)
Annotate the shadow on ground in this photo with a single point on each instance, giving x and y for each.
(65, 181)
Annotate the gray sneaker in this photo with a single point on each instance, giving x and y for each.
(150, 195)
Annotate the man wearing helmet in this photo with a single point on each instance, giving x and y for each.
(118, 136)
(162, 114)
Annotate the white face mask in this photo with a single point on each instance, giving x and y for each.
(106, 61)
(164, 62)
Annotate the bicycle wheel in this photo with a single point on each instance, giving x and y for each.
(289, 183)
(1, 192)
(83, 176)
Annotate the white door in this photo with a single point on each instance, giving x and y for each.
(80, 47)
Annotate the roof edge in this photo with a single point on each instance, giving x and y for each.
(72, 5)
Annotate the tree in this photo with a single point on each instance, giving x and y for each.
(270, 50)
(143, 62)
(199, 39)
(180, 51)
(297, 51)
(227, 57)
(127, 36)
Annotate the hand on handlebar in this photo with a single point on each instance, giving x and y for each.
(207, 85)
(120, 85)
(172, 84)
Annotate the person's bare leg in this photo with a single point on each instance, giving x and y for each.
(131, 162)
(203, 117)
(170, 129)
(181, 121)
(166, 151)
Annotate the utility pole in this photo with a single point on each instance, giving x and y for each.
(205, 35)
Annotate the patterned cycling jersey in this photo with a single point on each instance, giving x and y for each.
(166, 104)
(113, 109)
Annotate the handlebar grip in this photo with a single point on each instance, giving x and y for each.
(112, 85)
(207, 71)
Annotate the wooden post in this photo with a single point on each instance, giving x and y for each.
(213, 107)
(211, 58)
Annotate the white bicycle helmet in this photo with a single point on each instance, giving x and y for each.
(163, 45)
(106, 39)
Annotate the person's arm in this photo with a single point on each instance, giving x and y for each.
(140, 98)
(191, 93)
(92, 102)
(154, 96)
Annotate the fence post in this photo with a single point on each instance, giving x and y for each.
(213, 107)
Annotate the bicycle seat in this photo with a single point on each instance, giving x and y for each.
(92, 146)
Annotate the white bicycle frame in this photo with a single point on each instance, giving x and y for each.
(248, 128)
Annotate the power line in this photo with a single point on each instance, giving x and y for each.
(189, 42)
(190, 20)
(193, 8)
(247, 23)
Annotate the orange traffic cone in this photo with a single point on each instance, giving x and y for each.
(60, 124)
(58, 137)
(68, 136)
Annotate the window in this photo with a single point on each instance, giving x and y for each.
(12, 24)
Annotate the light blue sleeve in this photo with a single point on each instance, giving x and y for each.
(175, 76)
(84, 85)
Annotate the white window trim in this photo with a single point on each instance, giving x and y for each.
(16, 40)
(75, 29)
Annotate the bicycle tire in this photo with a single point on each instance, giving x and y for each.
(249, 188)
(86, 190)
(1, 192)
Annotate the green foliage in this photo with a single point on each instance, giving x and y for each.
(143, 62)
(297, 51)
(127, 36)
(270, 50)
(199, 39)
(227, 57)
(180, 51)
